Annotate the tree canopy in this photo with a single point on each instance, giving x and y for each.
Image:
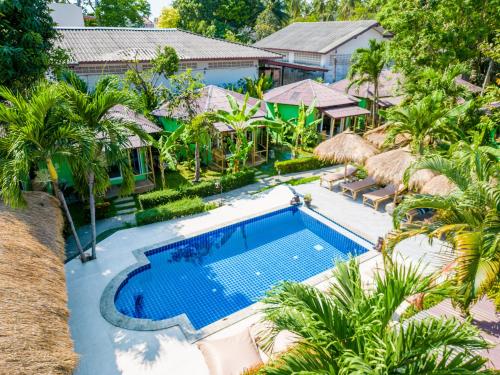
(122, 13)
(169, 18)
(27, 42)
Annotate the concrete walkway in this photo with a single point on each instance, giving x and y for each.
(106, 349)
(120, 221)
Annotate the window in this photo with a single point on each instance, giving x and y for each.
(187, 65)
(135, 161)
(307, 58)
(114, 171)
(101, 69)
(230, 64)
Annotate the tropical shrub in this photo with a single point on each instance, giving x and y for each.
(349, 328)
(179, 208)
(202, 189)
(299, 165)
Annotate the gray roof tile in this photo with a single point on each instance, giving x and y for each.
(320, 37)
(103, 44)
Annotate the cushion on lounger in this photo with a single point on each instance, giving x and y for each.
(231, 355)
(282, 342)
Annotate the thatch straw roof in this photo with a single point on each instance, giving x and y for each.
(389, 168)
(377, 137)
(345, 147)
(439, 185)
(34, 333)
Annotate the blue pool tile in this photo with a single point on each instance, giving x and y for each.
(218, 273)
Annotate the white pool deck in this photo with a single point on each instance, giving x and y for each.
(109, 350)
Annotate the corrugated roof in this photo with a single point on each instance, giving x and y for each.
(306, 92)
(109, 44)
(346, 112)
(212, 99)
(320, 37)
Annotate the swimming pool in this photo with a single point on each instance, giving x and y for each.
(216, 274)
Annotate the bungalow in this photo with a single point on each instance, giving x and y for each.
(388, 92)
(317, 49)
(140, 155)
(213, 99)
(338, 111)
(97, 51)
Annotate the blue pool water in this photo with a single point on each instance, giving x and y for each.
(213, 275)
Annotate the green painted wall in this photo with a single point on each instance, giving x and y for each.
(288, 111)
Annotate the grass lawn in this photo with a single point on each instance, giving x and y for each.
(184, 176)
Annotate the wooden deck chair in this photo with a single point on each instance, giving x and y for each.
(374, 198)
(331, 178)
(352, 189)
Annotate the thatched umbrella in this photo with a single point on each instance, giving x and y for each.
(345, 147)
(438, 185)
(35, 335)
(389, 168)
(378, 136)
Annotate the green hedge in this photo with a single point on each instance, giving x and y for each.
(179, 208)
(202, 189)
(299, 165)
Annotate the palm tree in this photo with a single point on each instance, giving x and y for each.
(279, 9)
(241, 120)
(349, 329)
(367, 65)
(425, 121)
(295, 8)
(110, 141)
(468, 218)
(198, 132)
(35, 136)
(425, 82)
(167, 145)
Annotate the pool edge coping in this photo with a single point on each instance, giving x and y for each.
(111, 314)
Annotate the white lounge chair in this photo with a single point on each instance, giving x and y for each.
(374, 198)
(352, 189)
(331, 178)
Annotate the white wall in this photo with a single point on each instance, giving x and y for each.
(344, 53)
(211, 76)
(67, 14)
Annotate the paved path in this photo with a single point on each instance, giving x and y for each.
(119, 221)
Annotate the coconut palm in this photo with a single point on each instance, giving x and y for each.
(366, 67)
(35, 137)
(425, 121)
(110, 140)
(197, 131)
(349, 329)
(468, 218)
(167, 145)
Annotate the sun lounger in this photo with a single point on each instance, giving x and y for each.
(374, 198)
(352, 189)
(331, 178)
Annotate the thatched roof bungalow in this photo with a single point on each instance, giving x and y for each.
(35, 337)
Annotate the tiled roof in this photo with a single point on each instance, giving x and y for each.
(389, 84)
(103, 44)
(320, 37)
(213, 98)
(120, 112)
(306, 92)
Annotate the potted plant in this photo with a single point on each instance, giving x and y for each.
(308, 199)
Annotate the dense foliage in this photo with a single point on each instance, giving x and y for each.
(172, 210)
(122, 13)
(349, 328)
(26, 42)
(202, 189)
(299, 165)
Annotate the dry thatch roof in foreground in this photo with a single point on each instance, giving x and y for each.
(439, 185)
(377, 137)
(345, 147)
(389, 168)
(34, 333)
